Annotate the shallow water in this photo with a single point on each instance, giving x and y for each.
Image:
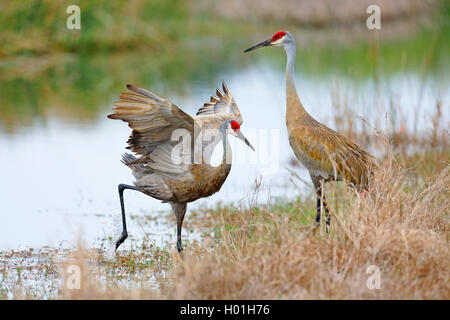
(60, 175)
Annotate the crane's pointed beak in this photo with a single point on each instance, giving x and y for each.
(265, 43)
(243, 138)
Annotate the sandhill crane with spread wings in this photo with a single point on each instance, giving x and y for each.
(168, 168)
(327, 154)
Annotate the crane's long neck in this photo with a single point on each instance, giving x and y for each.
(295, 111)
(215, 176)
(227, 155)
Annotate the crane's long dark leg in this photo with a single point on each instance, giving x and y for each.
(179, 209)
(124, 234)
(318, 185)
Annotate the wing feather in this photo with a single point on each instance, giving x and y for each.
(323, 150)
(222, 104)
(153, 120)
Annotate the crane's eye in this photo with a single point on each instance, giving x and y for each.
(235, 125)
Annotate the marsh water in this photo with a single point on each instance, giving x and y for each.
(60, 155)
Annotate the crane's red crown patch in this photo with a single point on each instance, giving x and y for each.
(278, 35)
(235, 125)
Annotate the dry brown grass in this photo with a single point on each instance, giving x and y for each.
(402, 231)
(273, 252)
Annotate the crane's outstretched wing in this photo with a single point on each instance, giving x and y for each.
(153, 120)
(222, 106)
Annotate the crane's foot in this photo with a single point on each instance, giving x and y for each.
(179, 246)
(122, 238)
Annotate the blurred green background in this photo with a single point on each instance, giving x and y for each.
(172, 45)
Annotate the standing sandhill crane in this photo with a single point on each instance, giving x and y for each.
(164, 170)
(327, 154)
